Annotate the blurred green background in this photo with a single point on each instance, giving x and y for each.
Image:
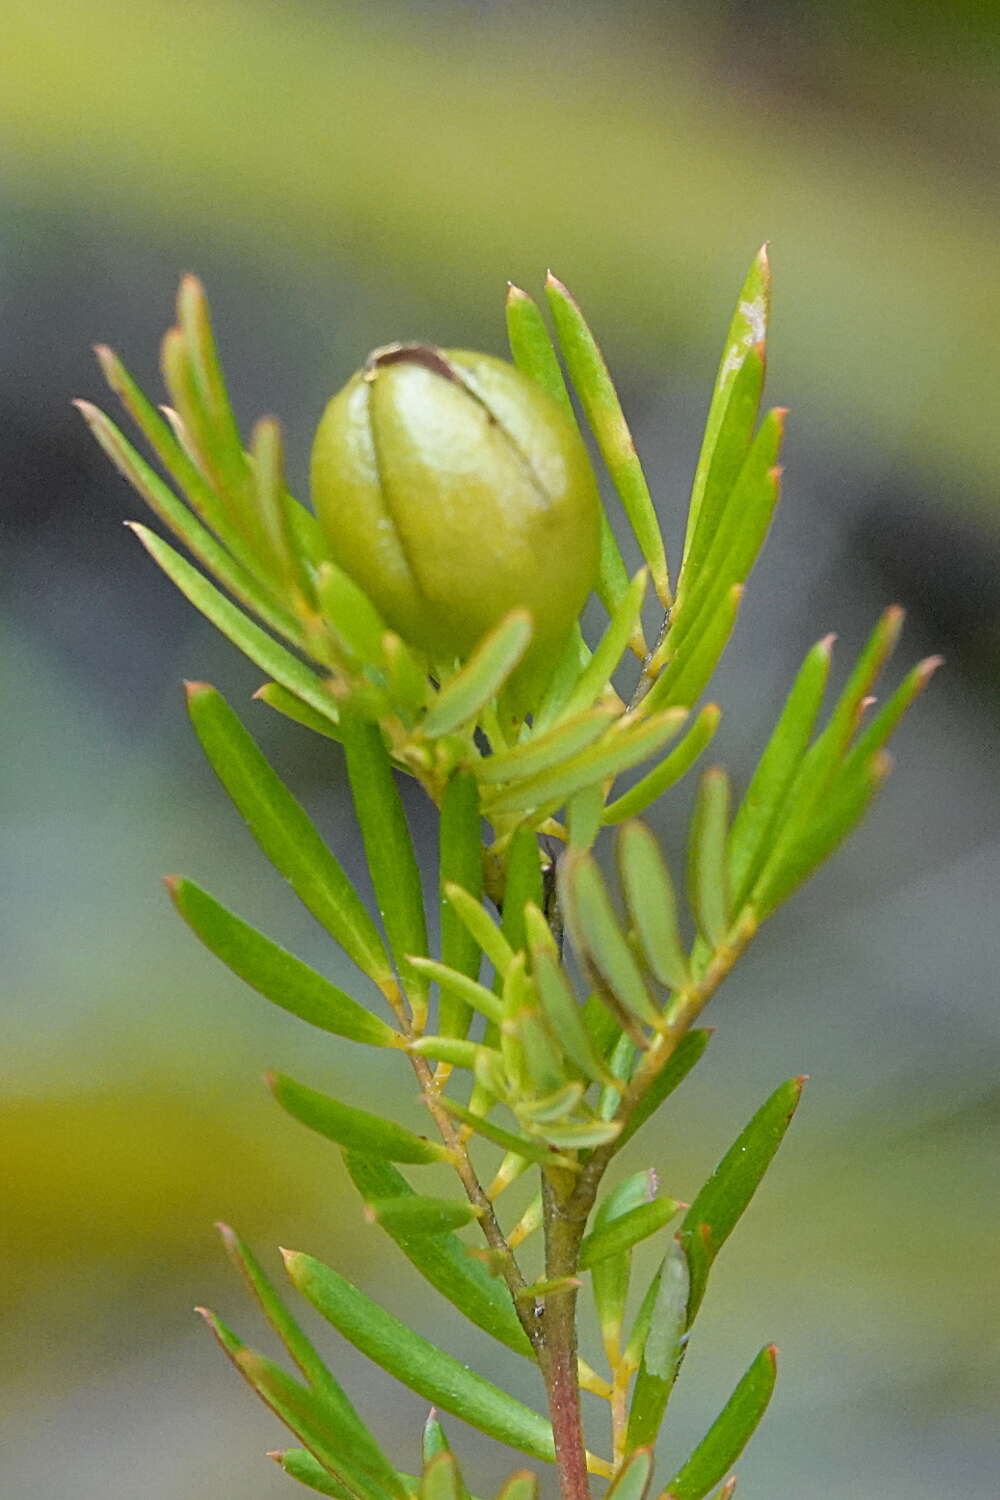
(342, 175)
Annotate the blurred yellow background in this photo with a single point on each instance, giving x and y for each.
(341, 175)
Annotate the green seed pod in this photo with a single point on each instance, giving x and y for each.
(453, 489)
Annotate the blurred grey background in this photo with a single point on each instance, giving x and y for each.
(341, 175)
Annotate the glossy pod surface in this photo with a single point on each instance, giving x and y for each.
(453, 490)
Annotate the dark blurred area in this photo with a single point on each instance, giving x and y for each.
(342, 175)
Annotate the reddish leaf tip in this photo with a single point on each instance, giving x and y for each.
(515, 293)
(196, 689)
(278, 1454)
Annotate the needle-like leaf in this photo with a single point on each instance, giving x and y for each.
(708, 875)
(677, 1067)
(480, 924)
(482, 677)
(532, 349)
(616, 752)
(597, 934)
(275, 973)
(662, 1347)
(443, 1259)
(621, 1234)
(610, 1274)
(392, 862)
(670, 770)
(747, 330)
(730, 1432)
(632, 1481)
(543, 751)
(652, 905)
(354, 1129)
(762, 804)
(337, 1439)
(460, 861)
(718, 1206)
(246, 636)
(420, 1215)
(565, 1015)
(521, 1486)
(622, 627)
(417, 1362)
(285, 833)
(599, 400)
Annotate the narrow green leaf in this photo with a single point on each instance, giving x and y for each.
(543, 751)
(417, 1363)
(708, 873)
(632, 1481)
(434, 1439)
(442, 1479)
(568, 663)
(532, 349)
(285, 1326)
(479, 923)
(597, 675)
(392, 861)
(240, 580)
(732, 446)
(620, 1064)
(522, 884)
(639, 1332)
(551, 1107)
(285, 832)
(458, 987)
(670, 770)
(460, 862)
(610, 1275)
(729, 1434)
(520, 1486)
(719, 1205)
(616, 752)
(196, 325)
(354, 1129)
(674, 1071)
(287, 703)
(886, 721)
(599, 400)
(747, 330)
(353, 618)
(662, 1349)
(275, 973)
(598, 937)
(482, 677)
(565, 1016)
(421, 1215)
(750, 835)
(273, 505)
(544, 1064)
(620, 1234)
(175, 458)
(442, 1259)
(846, 803)
(450, 1049)
(520, 1145)
(299, 1464)
(818, 767)
(265, 652)
(687, 676)
(579, 1135)
(340, 1442)
(737, 539)
(652, 905)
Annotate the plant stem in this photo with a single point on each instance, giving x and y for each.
(564, 1226)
